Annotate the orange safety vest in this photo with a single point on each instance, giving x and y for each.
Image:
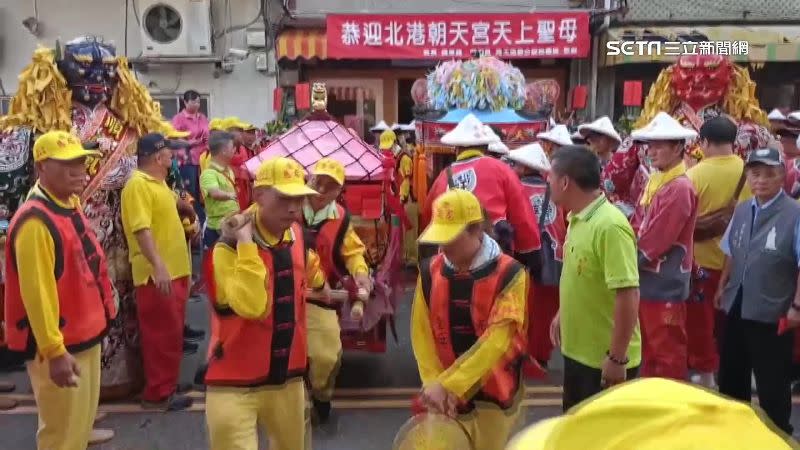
(460, 305)
(272, 349)
(85, 296)
(326, 238)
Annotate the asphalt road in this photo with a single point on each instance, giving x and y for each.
(371, 405)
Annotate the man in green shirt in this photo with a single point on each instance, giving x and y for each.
(597, 327)
(217, 185)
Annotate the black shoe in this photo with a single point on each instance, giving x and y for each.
(174, 403)
(190, 348)
(191, 334)
(322, 411)
(183, 388)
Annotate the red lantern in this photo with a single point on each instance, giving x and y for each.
(277, 99)
(302, 96)
(579, 95)
(632, 93)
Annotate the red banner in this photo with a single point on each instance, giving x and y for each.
(561, 34)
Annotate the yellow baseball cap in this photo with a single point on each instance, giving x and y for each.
(284, 175)
(387, 140)
(61, 146)
(170, 132)
(235, 122)
(217, 124)
(331, 168)
(452, 212)
(654, 414)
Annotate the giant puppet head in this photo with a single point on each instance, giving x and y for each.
(90, 69)
(701, 80)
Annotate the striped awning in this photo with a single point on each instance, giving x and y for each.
(765, 43)
(306, 44)
(350, 93)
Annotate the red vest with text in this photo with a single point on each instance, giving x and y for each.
(553, 232)
(270, 350)
(326, 239)
(460, 306)
(85, 297)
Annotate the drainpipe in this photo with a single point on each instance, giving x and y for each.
(598, 35)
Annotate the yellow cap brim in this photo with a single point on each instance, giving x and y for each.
(178, 134)
(337, 178)
(441, 234)
(290, 189)
(73, 154)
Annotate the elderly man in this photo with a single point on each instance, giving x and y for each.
(468, 323)
(496, 186)
(554, 139)
(602, 138)
(759, 288)
(597, 327)
(258, 352)
(664, 221)
(59, 295)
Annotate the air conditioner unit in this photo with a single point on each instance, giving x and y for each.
(175, 28)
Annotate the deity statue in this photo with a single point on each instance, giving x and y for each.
(88, 90)
(693, 90)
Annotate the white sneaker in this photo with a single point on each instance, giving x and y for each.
(100, 436)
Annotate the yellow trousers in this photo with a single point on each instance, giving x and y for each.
(66, 415)
(233, 416)
(324, 351)
(410, 245)
(491, 427)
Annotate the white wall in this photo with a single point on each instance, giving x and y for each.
(246, 92)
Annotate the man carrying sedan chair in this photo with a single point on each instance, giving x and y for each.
(468, 323)
(328, 230)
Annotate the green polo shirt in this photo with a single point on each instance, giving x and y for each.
(217, 177)
(599, 257)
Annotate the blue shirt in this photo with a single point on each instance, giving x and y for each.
(755, 208)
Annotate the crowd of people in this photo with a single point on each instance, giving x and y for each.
(524, 250)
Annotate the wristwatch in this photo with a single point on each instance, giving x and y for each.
(616, 361)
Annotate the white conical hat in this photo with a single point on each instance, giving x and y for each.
(470, 131)
(552, 122)
(498, 147)
(776, 114)
(602, 126)
(396, 126)
(409, 127)
(558, 135)
(532, 156)
(795, 115)
(663, 127)
(381, 126)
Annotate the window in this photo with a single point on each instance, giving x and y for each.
(171, 104)
(5, 103)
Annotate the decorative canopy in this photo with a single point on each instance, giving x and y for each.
(320, 136)
(484, 83)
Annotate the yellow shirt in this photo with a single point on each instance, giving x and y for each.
(715, 180)
(242, 280)
(36, 259)
(352, 249)
(406, 168)
(463, 378)
(148, 203)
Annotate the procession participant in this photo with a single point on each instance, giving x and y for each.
(218, 187)
(577, 138)
(388, 148)
(245, 138)
(759, 288)
(531, 165)
(497, 149)
(645, 415)
(496, 186)
(664, 222)
(196, 123)
(376, 132)
(776, 119)
(787, 134)
(718, 180)
(554, 139)
(468, 323)
(215, 124)
(597, 326)
(160, 264)
(405, 176)
(330, 233)
(602, 138)
(258, 354)
(59, 295)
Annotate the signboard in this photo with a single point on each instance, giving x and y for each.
(561, 34)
